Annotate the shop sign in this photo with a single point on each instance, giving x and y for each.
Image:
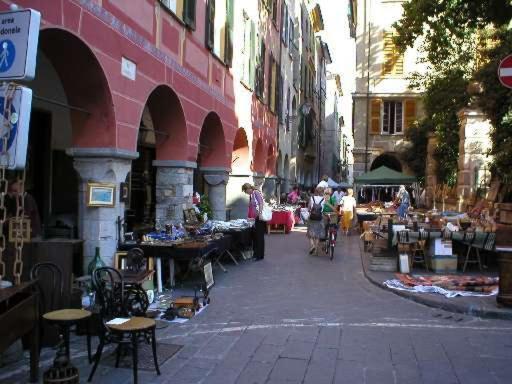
(505, 71)
(15, 125)
(19, 34)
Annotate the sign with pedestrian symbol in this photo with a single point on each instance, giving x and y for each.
(19, 34)
(16, 101)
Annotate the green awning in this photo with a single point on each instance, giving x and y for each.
(384, 175)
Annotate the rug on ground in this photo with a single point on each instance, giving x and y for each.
(447, 285)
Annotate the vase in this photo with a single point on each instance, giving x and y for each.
(96, 262)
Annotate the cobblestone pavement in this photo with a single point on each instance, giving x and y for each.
(295, 318)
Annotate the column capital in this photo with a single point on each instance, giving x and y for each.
(102, 169)
(110, 152)
(175, 164)
(214, 179)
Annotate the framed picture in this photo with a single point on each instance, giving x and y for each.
(100, 195)
(190, 216)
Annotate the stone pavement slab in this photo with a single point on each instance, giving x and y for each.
(294, 318)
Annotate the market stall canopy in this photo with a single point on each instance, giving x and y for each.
(384, 175)
(333, 184)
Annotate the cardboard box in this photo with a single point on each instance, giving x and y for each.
(440, 247)
(444, 264)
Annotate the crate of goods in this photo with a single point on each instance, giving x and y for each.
(444, 264)
(442, 258)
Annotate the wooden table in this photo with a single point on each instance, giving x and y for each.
(172, 252)
(19, 318)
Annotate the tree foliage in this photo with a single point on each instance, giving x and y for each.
(449, 33)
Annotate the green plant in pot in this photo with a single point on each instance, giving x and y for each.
(204, 207)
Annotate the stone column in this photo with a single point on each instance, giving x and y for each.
(97, 226)
(237, 200)
(474, 143)
(217, 179)
(269, 186)
(174, 189)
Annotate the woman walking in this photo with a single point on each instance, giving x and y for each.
(348, 205)
(315, 224)
(255, 208)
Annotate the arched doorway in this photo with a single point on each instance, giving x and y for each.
(71, 111)
(211, 175)
(162, 135)
(259, 157)
(387, 160)
(240, 174)
(141, 181)
(240, 159)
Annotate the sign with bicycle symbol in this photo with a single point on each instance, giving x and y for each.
(14, 125)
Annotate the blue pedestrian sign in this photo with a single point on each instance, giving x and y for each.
(19, 35)
(7, 55)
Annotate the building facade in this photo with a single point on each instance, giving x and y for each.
(163, 98)
(384, 105)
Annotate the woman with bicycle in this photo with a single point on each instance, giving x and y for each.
(330, 219)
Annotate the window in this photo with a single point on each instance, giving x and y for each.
(393, 59)
(219, 29)
(260, 71)
(248, 53)
(291, 34)
(392, 117)
(272, 84)
(185, 10)
(284, 24)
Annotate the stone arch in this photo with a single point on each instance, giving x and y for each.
(270, 168)
(387, 160)
(167, 121)
(259, 157)
(92, 116)
(212, 143)
(240, 158)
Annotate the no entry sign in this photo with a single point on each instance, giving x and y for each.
(505, 71)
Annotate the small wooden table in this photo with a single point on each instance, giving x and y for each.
(19, 317)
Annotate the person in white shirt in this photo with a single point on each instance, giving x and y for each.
(348, 206)
(338, 194)
(323, 183)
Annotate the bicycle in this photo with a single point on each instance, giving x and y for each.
(332, 235)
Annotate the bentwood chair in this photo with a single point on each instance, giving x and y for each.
(49, 281)
(116, 300)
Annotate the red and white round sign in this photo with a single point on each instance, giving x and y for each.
(505, 71)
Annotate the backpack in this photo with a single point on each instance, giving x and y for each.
(316, 210)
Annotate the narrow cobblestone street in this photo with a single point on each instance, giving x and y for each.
(294, 318)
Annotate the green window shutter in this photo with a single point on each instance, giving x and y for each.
(252, 55)
(210, 18)
(189, 13)
(228, 59)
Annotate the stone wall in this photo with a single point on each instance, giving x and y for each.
(174, 189)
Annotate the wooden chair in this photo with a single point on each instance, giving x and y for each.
(117, 300)
(49, 275)
(471, 240)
